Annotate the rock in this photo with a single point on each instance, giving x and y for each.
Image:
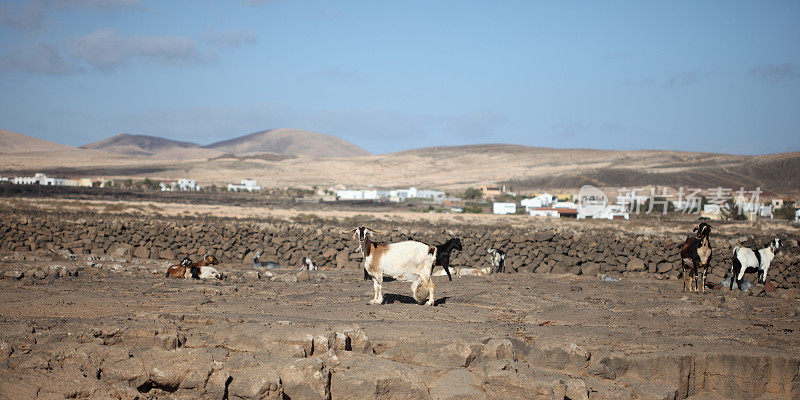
(508, 384)
(558, 356)
(252, 275)
(307, 378)
(303, 276)
(498, 349)
(607, 365)
(457, 384)
(359, 341)
(141, 252)
(590, 269)
(120, 250)
(288, 278)
(14, 274)
(330, 253)
(458, 354)
(636, 264)
(166, 254)
(343, 259)
(259, 382)
(368, 377)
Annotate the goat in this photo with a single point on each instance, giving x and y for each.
(696, 252)
(201, 269)
(308, 264)
(746, 260)
(443, 255)
(257, 263)
(179, 270)
(497, 259)
(206, 272)
(408, 261)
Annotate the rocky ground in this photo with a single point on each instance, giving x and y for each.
(100, 327)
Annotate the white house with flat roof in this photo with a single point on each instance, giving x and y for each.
(249, 185)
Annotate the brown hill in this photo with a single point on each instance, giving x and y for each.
(12, 142)
(290, 141)
(152, 147)
(450, 168)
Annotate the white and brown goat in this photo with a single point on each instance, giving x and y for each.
(408, 261)
(747, 260)
(198, 270)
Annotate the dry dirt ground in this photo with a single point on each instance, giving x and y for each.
(105, 328)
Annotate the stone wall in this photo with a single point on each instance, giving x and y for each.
(587, 252)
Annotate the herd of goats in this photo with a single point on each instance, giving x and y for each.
(414, 261)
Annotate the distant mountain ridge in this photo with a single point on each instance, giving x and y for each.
(12, 142)
(151, 147)
(285, 142)
(290, 141)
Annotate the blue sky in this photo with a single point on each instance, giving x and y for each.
(389, 76)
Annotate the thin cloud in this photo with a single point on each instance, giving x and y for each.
(775, 74)
(230, 39)
(38, 59)
(107, 50)
(107, 5)
(685, 79)
(31, 15)
(27, 16)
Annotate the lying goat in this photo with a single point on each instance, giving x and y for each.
(746, 260)
(179, 270)
(443, 255)
(203, 270)
(408, 261)
(257, 263)
(696, 253)
(497, 259)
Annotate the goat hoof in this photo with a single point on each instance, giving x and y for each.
(376, 301)
(429, 303)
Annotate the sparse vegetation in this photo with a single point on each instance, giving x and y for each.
(472, 194)
(786, 212)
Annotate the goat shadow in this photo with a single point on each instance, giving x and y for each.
(390, 298)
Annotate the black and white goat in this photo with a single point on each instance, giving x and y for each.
(408, 261)
(257, 263)
(696, 254)
(497, 258)
(308, 265)
(443, 255)
(746, 260)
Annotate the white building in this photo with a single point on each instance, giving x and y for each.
(188, 184)
(504, 208)
(543, 212)
(542, 200)
(369, 194)
(249, 185)
(797, 216)
(610, 211)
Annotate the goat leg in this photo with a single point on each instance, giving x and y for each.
(430, 292)
(376, 284)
